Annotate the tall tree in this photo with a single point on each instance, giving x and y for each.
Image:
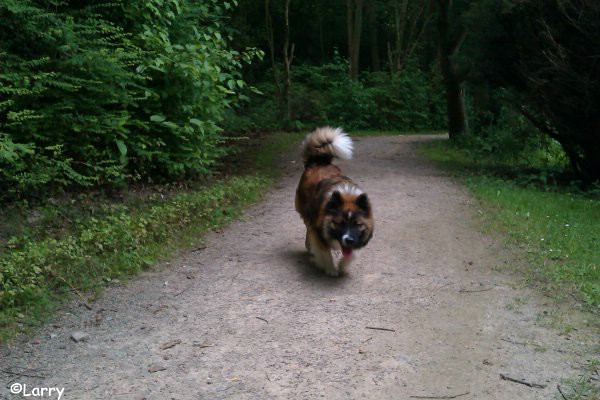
(354, 19)
(451, 34)
(271, 48)
(410, 22)
(288, 57)
(282, 93)
(373, 34)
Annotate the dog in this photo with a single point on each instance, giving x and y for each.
(337, 213)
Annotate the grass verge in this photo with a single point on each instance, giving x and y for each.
(111, 240)
(558, 230)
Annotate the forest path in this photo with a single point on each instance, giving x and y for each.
(247, 318)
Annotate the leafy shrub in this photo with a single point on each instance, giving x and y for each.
(193, 77)
(104, 92)
(505, 144)
(411, 100)
(509, 136)
(506, 138)
(261, 113)
(325, 94)
(351, 104)
(66, 86)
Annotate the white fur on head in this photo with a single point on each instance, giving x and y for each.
(347, 188)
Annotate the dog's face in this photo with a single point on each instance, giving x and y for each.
(348, 220)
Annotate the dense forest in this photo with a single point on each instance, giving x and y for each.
(108, 93)
(509, 75)
(121, 121)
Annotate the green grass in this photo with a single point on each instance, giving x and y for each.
(79, 246)
(585, 386)
(557, 230)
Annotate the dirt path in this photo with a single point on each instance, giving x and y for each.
(248, 319)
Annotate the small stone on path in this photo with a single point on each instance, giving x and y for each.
(79, 336)
(155, 367)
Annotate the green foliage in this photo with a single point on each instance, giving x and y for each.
(545, 52)
(63, 79)
(99, 94)
(325, 94)
(194, 78)
(511, 141)
(348, 103)
(504, 143)
(410, 100)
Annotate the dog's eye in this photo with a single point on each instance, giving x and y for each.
(358, 224)
(336, 224)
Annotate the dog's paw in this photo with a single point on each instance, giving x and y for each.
(332, 272)
(345, 262)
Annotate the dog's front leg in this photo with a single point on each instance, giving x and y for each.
(321, 254)
(345, 262)
(324, 260)
(307, 240)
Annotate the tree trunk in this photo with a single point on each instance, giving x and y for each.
(271, 43)
(288, 56)
(457, 115)
(409, 25)
(374, 37)
(400, 17)
(349, 28)
(354, 14)
(590, 162)
(390, 55)
(321, 42)
(453, 80)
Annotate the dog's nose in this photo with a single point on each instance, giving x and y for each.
(347, 240)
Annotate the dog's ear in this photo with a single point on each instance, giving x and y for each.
(335, 201)
(363, 203)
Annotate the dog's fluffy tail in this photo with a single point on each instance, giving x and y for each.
(323, 144)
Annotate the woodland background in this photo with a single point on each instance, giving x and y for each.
(107, 93)
(117, 117)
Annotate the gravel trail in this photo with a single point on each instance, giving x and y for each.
(247, 318)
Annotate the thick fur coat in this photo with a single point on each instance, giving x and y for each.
(337, 213)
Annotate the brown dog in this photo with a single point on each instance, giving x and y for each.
(336, 212)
